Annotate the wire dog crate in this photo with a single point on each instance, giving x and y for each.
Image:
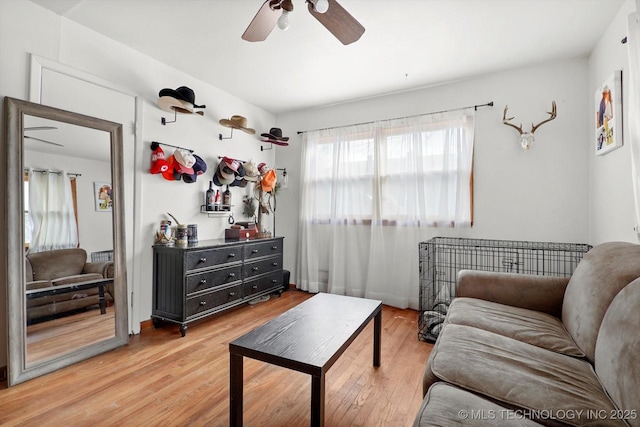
(441, 258)
(102, 256)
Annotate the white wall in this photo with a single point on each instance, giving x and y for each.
(610, 184)
(26, 28)
(539, 195)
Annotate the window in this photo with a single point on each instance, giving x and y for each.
(54, 220)
(414, 171)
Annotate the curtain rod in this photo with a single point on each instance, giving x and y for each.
(42, 171)
(475, 107)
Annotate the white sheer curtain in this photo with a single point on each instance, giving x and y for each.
(633, 49)
(51, 212)
(366, 192)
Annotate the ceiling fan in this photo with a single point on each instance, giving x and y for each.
(329, 12)
(38, 139)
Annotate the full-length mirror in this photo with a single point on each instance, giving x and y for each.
(65, 230)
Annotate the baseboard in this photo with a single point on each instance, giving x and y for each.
(146, 324)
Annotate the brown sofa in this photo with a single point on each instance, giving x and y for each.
(534, 350)
(61, 267)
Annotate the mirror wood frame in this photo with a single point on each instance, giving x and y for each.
(15, 111)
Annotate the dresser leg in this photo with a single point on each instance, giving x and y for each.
(183, 329)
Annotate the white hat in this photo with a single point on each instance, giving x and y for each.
(185, 160)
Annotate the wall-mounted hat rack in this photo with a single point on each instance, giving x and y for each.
(240, 160)
(220, 137)
(155, 144)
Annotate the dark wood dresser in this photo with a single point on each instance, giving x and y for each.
(193, 282)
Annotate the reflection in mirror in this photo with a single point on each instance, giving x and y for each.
(68, 236)
(65, 232)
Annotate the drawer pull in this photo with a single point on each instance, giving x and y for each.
(203, 303)
(275, 248)
(275, 264)
(232, 255)
(232, 274)
(274, 281)
(255, 269)
(203, 259)
(203, 281)
(254, 251)
(254, 287)
(231, 294)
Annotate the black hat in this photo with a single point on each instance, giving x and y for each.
(276, 134)
(183, 93)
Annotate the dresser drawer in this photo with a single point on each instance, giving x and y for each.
(263, 266)
(262, 284)
(257, 250)
(210, 279)
(205, 302)
(211, 257)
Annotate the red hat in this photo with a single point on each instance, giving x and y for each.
(231, 164)
(169, 173)
(158, 162)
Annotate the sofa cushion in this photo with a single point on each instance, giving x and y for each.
(533, 327)
(521, 376)
(50, 265)
(600, 275)
(445, 405)
(617, 351)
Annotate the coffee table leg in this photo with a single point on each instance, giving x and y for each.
(103, 308)
(377, 336)
(235, 387)
(317, 401)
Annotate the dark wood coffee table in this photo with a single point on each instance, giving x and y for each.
(309, 338)
(74, 287)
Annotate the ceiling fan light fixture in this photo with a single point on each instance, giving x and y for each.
(283, 21)
(320, 6)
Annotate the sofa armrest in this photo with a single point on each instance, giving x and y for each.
(38, 284)
(100, 268)
(540, 293)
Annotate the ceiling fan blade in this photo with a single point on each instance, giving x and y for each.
(339, 22)
(40, 128)
(43, 140)
(262, 24)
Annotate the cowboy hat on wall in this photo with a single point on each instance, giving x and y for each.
(180, 100)
(236, 122)
(274, 136)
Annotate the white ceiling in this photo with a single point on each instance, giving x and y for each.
(407, 43)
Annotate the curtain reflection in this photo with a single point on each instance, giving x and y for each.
(51, 213)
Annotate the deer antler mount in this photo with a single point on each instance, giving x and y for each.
(526, 138)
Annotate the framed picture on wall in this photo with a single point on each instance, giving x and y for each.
(608, 114)
(103, 194)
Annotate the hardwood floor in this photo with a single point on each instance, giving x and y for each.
(161, 379)
(65, 334)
